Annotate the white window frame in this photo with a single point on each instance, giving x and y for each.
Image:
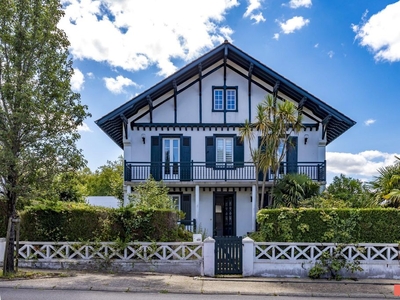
(224, 162)
(223, 96)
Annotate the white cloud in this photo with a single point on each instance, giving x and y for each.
(300, 3)
(331, 54)
(116, 86)
(276, 36)
(369, 122)
(316, 45)
(249, 13)
(90, 75)
(134, 35)
(360, 165)
(381, 33)
(77, 80)
(253, 5)
(295, 23)
(257, 18)
(84, 128)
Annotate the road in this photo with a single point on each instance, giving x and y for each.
(36, 294)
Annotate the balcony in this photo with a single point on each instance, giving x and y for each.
(206, 171)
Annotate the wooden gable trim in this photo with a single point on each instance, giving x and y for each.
(175, 99)
(250, 74)
(200, 93)
(325, 123)
(150, 102)
(204, 126)
(125, 124)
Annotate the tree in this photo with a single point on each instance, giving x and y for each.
(386, 186)
(107, 180)
(151, 194)
(292, 189)
(275, 121)
(39, 113)
(353, 192)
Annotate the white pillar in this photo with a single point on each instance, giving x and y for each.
(2, 249)
(254, 200)
(197, 205)
(126, 193)
(248, 257)
(209, 257)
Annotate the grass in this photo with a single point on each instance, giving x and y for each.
(23, 274)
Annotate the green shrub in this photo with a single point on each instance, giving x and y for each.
(67, 221)
(371, 225)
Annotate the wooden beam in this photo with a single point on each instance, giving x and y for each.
(175, 99)
(150, 103)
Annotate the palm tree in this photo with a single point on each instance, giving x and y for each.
(275, 121)
(387, 184)
(292, 189)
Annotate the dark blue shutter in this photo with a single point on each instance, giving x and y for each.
(210, 152)
(291, 154)
(185, 158)
(238, 152)
(186, 206)
(155, 166)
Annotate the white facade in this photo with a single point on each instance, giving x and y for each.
(185, 131)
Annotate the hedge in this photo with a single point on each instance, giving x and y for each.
(371, 225)
(81, 222)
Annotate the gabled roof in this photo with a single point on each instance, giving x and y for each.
(336, 123)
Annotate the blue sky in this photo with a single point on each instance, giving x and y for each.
(346, 53)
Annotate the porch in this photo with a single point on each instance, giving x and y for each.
(206, 171)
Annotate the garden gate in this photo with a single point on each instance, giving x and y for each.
(228, 255)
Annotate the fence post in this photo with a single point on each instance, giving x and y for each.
(248, 257)
(209, 257)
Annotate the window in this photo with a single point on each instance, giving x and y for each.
(224, 146)
(225, 99)
(176, 200)
(171, 156)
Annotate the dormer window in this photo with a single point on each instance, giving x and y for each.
(224, 99)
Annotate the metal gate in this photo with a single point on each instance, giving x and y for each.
(228, 255)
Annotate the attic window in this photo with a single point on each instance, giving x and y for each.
(225, 99)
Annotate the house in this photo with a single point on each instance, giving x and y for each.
(185, 131)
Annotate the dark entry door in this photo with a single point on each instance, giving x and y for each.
(224, 214)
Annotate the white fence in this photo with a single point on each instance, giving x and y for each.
(198, 258)
(186, 258)
(295, 259)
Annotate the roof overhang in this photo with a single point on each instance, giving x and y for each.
(335, 124)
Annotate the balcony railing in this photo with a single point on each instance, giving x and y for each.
(206, 171)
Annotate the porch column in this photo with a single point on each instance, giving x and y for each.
(126, 193)
(197, 204)
(254, 201)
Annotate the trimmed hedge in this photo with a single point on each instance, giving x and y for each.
(81, 222)
(371, 225)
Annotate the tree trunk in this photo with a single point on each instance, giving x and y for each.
(11, 213)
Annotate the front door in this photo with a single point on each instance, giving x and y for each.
(170, 158)
(224, 214)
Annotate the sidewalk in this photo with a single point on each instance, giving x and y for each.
(167, 283)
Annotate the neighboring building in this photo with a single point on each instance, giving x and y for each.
(185, 131)
(105, 201)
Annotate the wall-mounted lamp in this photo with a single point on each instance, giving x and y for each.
(305, 139)
(143, 138)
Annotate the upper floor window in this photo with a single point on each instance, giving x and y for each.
(224, 149)
(225, 99)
